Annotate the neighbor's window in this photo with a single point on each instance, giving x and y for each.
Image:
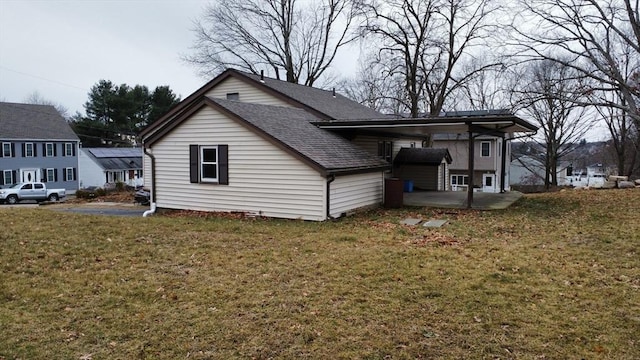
(459, 180)
(6, 150)
(69, 174)
(209, 163)
(385, 150)
(28, 150)
(68, 149)
(485, 149)
(49, 150)
(51, 175)
(7, 177)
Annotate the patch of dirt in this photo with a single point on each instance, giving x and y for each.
(114, 196)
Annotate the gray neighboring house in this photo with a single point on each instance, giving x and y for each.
(101, 166)
(37, 145)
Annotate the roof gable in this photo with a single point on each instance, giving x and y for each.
(292, 129)
(33, 122)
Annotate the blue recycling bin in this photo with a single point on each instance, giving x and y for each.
(408, 186)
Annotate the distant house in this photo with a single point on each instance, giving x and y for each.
(37, 145)
(100, 166)
(248, 143)
(527, 171)
(491, 167)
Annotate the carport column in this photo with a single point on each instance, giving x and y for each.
(471, 156)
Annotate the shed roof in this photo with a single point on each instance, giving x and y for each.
(33, 122)
(422, 156)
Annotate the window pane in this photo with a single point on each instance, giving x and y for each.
(6, 149)
(209, 155)
(454, 180)
(209, 171)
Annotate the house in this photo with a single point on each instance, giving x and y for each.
(248, 143)
(490, 152)
(529, 171)
(37, 145)
(100, 166)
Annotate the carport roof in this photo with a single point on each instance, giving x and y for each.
(422, 156)
(492, 122)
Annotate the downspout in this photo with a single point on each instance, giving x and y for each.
(503, 175)
(153, 183)
(330, 179)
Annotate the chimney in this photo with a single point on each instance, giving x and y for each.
(334, 92)
(262, 75)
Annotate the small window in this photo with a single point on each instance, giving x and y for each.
(51, 175)
(6, 149)
(7, 176)
(69, 174)
(28, 150)
(485, 149)
(209, 164)
(68, 149)
(28, 186)
(233, 96)
(38, 186)
(385, 150)
(49, 150)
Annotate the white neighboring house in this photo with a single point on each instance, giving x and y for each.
(101, 166)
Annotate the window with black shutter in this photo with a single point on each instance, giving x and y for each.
(209, 164)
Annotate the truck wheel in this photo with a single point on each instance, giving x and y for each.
(53, 197)
(12, 200)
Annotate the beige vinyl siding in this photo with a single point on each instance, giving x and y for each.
(146, 171)
(263, 179)
(352, 192)
(246, 93)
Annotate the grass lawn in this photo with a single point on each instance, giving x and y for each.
(556, 276)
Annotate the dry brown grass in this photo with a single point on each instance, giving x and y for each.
(556, 276)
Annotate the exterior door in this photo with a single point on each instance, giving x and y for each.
(29, 175)
(488, 183)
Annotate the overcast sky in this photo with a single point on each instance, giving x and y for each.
(61, 48)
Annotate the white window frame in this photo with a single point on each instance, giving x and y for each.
(68, 149)
(46, 149)
(26, 149)
(464, 178)
(50, 175)
(4, 152)
(68, 174)
(4, 176)
(216, 163)
(488, 148)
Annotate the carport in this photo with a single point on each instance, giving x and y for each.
(498, 123)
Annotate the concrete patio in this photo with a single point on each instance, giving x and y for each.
(458, 199)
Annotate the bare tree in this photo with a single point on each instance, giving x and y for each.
(550, 95)
(252, 35)
(625, 139)
(590, 36)
(36, 98)
(422, 42)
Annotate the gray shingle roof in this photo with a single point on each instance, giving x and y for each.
(323, 101)
(292, 128)
(33, 122)
(421, 156)
(117, 158)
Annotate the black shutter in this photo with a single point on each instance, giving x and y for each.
(44, 149)
(74, 174)
(24, 149)
(44, 175)
(64, 149)
(35, 153)
(55, 149)
(14, 176)
(223, 164)
(194, 164)
(13, 150)
(1, 177)
(73, 147)
(55, 175)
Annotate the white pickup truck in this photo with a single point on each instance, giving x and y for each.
(30, 191)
